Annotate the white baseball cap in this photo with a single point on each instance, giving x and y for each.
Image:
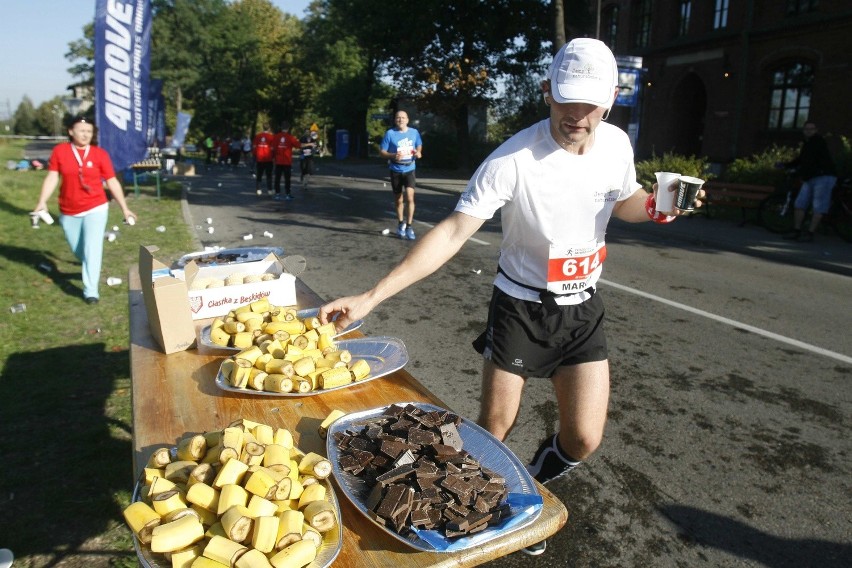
(584, 71)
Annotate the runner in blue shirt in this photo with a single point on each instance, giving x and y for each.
(401, 146)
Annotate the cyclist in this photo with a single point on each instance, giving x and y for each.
(816, 168)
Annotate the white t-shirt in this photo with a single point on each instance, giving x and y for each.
(555, 208)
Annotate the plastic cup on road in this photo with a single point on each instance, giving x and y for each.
(687, 191)
(665, 192)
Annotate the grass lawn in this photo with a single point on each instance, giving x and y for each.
(65, 421)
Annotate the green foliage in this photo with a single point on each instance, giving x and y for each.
(25, 117)
(668, 162)
(761, 168)
(520, 106)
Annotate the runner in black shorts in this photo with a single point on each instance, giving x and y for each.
(526, 338)
(401, 180)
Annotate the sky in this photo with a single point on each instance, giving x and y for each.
(34, 37)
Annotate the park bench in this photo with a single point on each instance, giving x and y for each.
(746, 197)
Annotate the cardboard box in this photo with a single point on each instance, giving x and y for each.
(169, 317)
(183, 169)
(212, 302)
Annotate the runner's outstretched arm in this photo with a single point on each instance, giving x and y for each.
(428, 255)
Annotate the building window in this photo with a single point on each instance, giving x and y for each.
(720, 15)
(643, 9)
(790, 99)
(801, 6)
(685, 12)
(610, 26)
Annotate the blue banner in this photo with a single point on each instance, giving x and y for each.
(156, 111)
(122, 67)
(181, 128)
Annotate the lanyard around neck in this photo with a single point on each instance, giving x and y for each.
(77, 154)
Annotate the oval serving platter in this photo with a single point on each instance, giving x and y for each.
(385, 355)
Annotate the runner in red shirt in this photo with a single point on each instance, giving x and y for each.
(283, 148)
(262, 150)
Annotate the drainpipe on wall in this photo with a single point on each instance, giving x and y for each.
(742, 80)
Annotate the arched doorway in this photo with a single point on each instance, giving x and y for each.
(689, 107)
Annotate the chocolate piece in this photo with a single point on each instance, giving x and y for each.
(394, 410)
(391, 500)
(420, 519)
(382, 462)
(392, 449)
(349, 463)
(375, 497)
(426, 467)
(450, 436)
(360, 444)
(405, 459)
(401, 425)
(395, 474)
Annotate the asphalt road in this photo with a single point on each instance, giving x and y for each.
(727, 445)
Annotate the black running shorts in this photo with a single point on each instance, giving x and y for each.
(401, 180)
(523, 338)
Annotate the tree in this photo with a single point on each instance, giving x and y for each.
(347, 45)
(51, 117)
(81, 52)
(25, 118)
(558, 24)
(461, 49)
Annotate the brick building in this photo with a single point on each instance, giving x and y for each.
(727, 78)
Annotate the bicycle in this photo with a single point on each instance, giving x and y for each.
(776, 211)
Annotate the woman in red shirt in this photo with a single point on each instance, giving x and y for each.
(84, 170)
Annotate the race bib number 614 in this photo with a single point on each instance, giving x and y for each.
(570, 270)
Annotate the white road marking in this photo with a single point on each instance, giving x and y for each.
(732, 323)
(340, 195)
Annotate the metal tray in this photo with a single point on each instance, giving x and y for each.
(204, 336)
(384, 354)
(524, 498)
(332, 542)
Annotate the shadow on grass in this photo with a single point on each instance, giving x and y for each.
(45, 261)
(63, 459)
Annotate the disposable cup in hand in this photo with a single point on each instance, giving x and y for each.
(665, 192)
(45, 216)
(687, 192)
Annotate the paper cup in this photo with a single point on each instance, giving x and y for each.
(666, 191)
(687, 191)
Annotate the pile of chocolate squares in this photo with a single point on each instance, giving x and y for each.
(418, 474)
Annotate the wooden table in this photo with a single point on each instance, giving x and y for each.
(173, 395)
